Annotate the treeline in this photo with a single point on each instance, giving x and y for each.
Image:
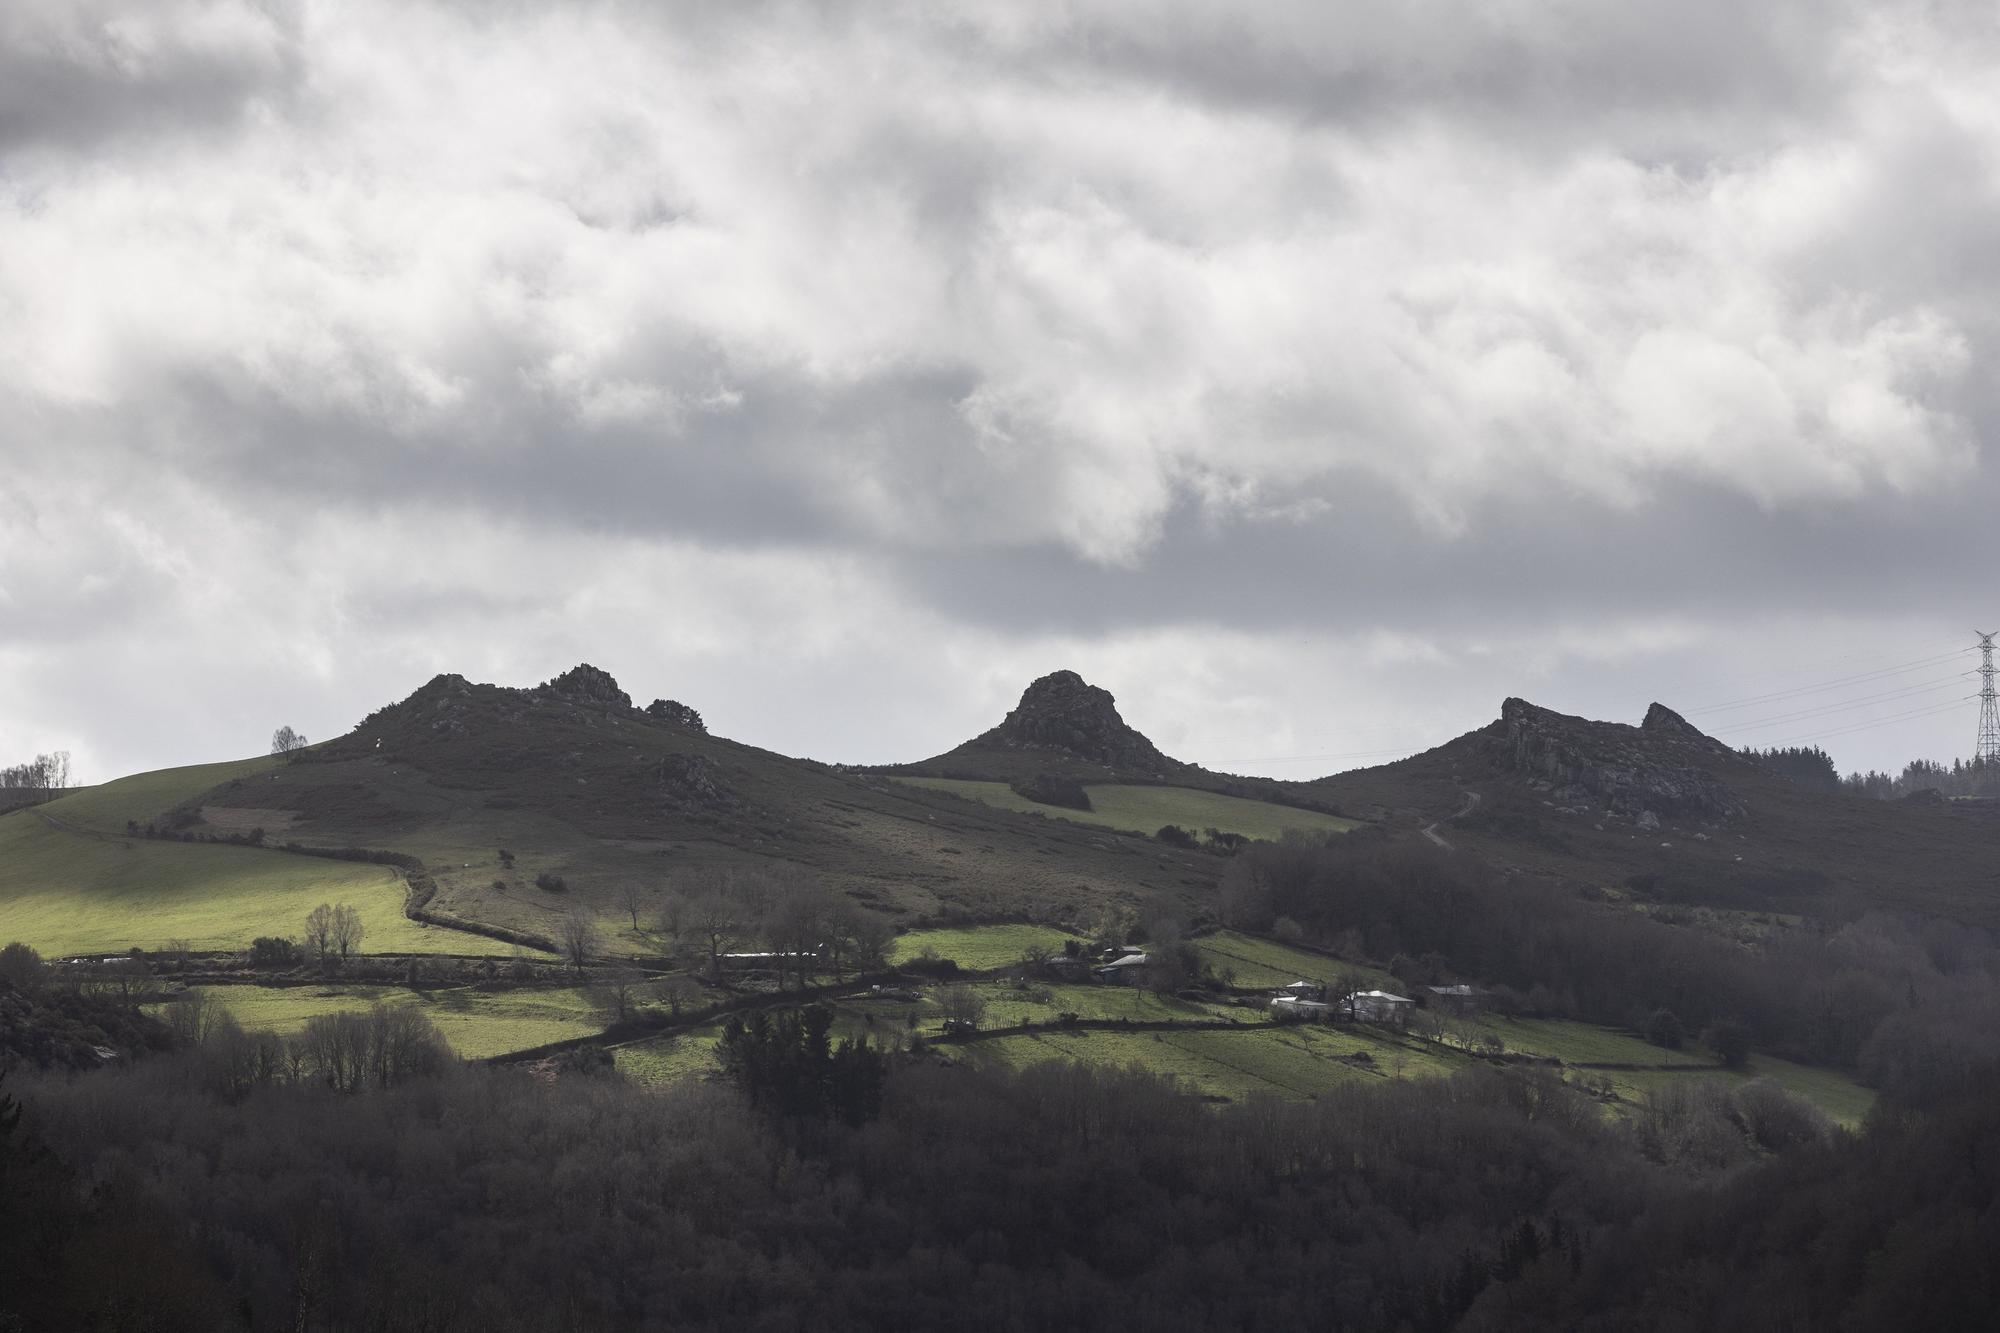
(1812, 767)
(461, 1199)
(1964, 778)
(489, 1200)
(44, 775)
(1900, 997)
(1808, 766)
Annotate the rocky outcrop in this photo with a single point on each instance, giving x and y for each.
(1065, 713)
(586, 684)
(690, 782)
(1664, 767)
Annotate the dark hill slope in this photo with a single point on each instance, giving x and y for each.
(1662, 812)
(575, 781)
(1065, 727)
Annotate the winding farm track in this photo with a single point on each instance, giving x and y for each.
(1431, 829)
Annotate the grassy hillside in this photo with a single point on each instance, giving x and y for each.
(66, 892)
(146, 796)
(575, 783)
(978, 949)
(477, 1023)
(1146, 809)
(1249, 961)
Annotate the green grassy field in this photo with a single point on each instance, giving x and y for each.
(1007, 1006)
(1844, 1101)
(477, 1023)
(1140, 809)
(145, 796)
(1260, 962)
(1289, 1061)
(689, 1054)
(67, 893)
(1583, 1043)
(978, 947)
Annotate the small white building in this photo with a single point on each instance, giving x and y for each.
(1379, 1006)
(1303, 990)
(1292, 1008)
(1125, 970)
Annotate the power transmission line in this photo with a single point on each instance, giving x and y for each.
(1841, 706)
(1928, 710)
(1834, 684)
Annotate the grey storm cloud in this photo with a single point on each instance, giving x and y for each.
(1001, 330)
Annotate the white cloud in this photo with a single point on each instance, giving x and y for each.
(777, 303)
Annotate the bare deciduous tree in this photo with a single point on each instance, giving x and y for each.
(670, 919)
(715, 919)
(962, 1006)
(798, 920)
(577, 938)
(319, 930)
(615, 994)
(284, 741)
(347, 930)
(47, 774)
(191, 1016)
(870, 941)
(679, 991)
(630, 895)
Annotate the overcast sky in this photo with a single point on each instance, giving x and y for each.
(1312, 376)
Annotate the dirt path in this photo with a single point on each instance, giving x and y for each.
(1431, 829)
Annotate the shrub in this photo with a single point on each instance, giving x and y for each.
(1050, 789)
(273, 951)
(1730, 1040)
(21, 965)
(1176, 836)
(1663, 1029)
(550, 882)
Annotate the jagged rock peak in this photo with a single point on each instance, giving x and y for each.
(1661, 766)
(1062, 711)
(1659, 717)
(585, 684)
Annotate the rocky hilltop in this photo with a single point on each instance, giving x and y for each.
(1664, 767)
(1066, 714)
(493, 735)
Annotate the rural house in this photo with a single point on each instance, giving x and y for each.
(1379, 1006)
(1297, 1009)
(1462, 1000)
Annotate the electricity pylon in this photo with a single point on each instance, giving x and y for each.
(1988, 749)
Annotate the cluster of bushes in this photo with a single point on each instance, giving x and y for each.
(1051, 789)
(1213, 840)
(61, 1020)
(383, 1047)
(180, 828)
